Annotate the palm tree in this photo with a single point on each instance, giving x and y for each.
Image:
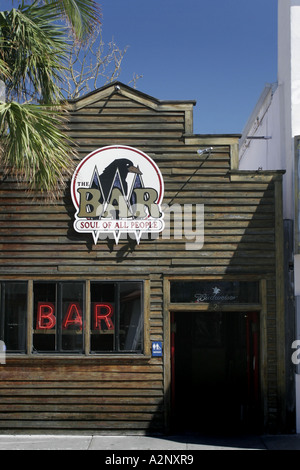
(34, 41)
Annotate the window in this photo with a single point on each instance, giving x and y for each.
(62, 322)
(58, 317)
(13, 310)
(116, 317)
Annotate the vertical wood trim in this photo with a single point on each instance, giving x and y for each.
(189, 122)
(263, 351)
(234, 156)
(87, 331)
(167, 354)
(280, 311)
(147, 348)
(29, 316)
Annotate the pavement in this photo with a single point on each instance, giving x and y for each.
(179, 443)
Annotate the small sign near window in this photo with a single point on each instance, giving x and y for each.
(156, 348)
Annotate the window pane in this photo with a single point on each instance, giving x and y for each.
(131, 318)
(44, 321)
(13, 315)
(103, 304)
(72, 316)
(58, 316)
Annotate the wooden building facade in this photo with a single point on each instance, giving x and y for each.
(208, 337)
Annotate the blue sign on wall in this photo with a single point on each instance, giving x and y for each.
(156, 348)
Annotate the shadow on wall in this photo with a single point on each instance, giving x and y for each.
(224, 377)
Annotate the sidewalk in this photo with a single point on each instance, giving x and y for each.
(155, 443)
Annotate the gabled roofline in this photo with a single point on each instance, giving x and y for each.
(116, 87)
(124, 90)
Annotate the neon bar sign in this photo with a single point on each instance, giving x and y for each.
(102, 315)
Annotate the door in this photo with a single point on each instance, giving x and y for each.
(215, 376)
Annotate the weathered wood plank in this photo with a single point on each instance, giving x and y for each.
(80, 425)
(81, 385)
(74, 416)
(57, 396)
(95, 409)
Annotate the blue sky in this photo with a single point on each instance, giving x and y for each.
(220, 53)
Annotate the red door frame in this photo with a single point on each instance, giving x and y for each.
(172, 360)
(252, 326)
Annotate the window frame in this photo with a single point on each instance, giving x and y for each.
(117, 301)
(58, 331)
(86, 353)
(2, 319)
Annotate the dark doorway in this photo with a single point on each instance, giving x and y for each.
(215, 377)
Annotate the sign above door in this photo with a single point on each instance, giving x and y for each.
(115, 190)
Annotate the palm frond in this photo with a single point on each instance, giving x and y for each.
(5, 71)
(33, 146)
(82, 15)
(33, 47)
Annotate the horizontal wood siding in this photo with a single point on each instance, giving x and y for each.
(37, 240)
(57, 395)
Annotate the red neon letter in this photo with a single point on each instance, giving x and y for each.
(45, 316)
(73, 316)
(103, 312)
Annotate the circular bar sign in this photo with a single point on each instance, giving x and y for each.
(115, 190)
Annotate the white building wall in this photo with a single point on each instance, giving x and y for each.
(281, 121)
(295, 68)
(294, 131)
(262, 151)
(277, 115)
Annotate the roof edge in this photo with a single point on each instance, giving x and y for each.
(115, 84)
